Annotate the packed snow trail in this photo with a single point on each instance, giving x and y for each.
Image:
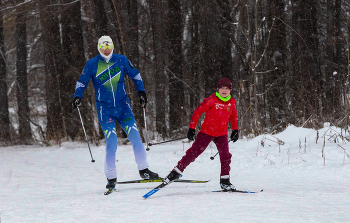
(60, 184)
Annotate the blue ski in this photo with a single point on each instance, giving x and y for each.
(156, 189)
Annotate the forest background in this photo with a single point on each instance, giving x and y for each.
(289, 63)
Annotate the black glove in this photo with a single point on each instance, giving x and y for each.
(234, 135)
(76, 102)
(191, 134)
(143, 99)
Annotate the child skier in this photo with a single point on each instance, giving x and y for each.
(219, 108)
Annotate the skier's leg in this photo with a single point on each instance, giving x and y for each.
(225, 155)
(128, 124)
(199, 145)
(108, 126)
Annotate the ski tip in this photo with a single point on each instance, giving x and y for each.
(146, 196)
(239, 191)
(109, 191)
(253, 192)
(150, 193)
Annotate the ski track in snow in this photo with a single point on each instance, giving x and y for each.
(60, 184)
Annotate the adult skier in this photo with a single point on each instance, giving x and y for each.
(107, 73)
(220, 107)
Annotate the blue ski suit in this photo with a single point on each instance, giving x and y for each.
(113, 105)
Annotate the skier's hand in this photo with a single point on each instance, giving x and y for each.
(143, 99)
(234, 135)
(191, 134)
(76, 102)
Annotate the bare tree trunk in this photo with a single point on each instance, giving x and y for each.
(101, 22)
(74, 61)
(276, 56)
(176, 89)
(225, 60)
(120, 24)
(195, 56)
(23, 112)
(308, 26)
(89, 26)
(90, 41)
(294, 65)
(5, 135)
(329, 91)
(132, 53)
(53, 69)
(156, 13)
(338, 58)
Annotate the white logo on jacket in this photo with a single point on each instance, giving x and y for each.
(219, 106)
(78, 85)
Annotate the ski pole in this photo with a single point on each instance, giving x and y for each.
(146, 137)
(151, 144)
(212, 157)
(92, 159)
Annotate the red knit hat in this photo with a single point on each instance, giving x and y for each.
(224, 82)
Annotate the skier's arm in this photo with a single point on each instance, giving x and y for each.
(203, 107)
(83, 81)
(134, 74)
(233, 117)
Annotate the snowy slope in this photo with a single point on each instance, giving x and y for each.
(60, 184)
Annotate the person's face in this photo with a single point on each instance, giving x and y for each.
(224, 91)
(106, 52)
(106, 49)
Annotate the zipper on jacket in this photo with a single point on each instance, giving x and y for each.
(101, 113)
(99, 94)
(110, 81)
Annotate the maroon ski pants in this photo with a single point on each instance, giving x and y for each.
(200, 144)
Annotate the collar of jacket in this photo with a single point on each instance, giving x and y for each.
(222, 98)
(105, 58)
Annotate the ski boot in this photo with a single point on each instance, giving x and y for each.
(226, 184)
(111, 183)
(149, 175)
(173, 175)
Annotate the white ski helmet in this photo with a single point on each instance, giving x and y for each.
(105, 39)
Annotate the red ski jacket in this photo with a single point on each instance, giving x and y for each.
(217, 116)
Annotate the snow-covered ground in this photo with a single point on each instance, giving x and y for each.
(60, 184)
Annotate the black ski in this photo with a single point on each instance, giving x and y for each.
(239, 191)
(161, 180)
(109, 191)
(141, 181)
